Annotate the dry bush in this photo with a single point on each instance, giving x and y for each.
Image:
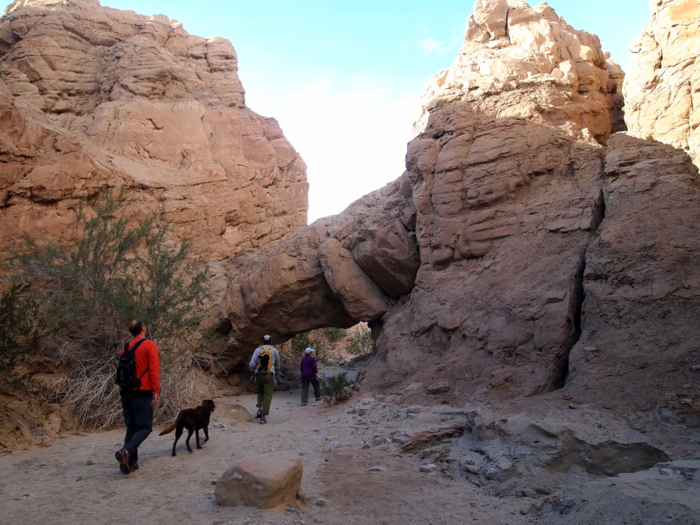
(116, 268)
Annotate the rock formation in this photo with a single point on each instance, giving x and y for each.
(517, 255)
(93, 98)
(662, 93)
(526, 62)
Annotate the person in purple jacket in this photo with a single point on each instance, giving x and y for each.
(309, 374)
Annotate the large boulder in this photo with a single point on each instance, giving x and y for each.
(662, 89)
(265, 481)
(92, 98)
(313, 278)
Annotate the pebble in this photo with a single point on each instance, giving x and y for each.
(428, 468)
(377, 468)
(321, 502)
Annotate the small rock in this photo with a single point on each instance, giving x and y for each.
(686, 401)
(430, 467)
(321, 502)
(377, 468)
(89, 462)
(572, 406)
(439, 387)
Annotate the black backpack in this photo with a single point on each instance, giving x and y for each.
(126, 370)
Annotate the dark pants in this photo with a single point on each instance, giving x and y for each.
(266, 385)
(305, 389)
(138, 417)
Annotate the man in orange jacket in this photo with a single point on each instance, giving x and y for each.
(138, 402)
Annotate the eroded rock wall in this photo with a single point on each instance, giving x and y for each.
(662, 90)
(545, 259)
(93, 98)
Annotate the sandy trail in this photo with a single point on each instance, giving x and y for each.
(57, 484)
(77, 480)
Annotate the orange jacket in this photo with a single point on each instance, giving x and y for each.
(146, 361)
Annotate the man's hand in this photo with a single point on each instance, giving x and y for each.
(154, 400)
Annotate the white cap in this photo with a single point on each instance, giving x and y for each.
(308, 350)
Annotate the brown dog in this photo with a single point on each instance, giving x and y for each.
(192, 419)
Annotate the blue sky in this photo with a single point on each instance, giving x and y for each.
(344, 78)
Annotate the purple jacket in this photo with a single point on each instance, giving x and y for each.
(308, 367)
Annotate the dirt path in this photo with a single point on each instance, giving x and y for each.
(354, 472)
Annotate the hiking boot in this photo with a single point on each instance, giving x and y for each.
(263, 420)
(123, 459)
(260, 414)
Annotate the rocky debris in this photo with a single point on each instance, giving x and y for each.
(555, 444)
(439, 387)
(94, 98)
(661, 88)
(666, 492)
(265, 481)
(431, 437)
(526, 62)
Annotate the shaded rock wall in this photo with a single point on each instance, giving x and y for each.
(94, 98)
(662, 91)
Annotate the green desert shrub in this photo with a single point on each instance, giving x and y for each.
(338, 389)
(116, 267)
(19, 331)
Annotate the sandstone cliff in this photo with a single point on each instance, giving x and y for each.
(662, 93)
(93, 98)
(531, 257)
(526, 62)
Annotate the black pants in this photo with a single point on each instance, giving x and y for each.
(305, 389)
(138, 417)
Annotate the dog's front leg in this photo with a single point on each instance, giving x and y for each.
(196, 433)
(206, 434)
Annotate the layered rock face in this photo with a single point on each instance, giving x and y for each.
(662, 92)
(545, 260)
(93, 98)
(526, 62)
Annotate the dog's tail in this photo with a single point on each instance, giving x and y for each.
(170, 428)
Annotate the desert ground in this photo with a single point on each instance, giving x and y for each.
(362, 464)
